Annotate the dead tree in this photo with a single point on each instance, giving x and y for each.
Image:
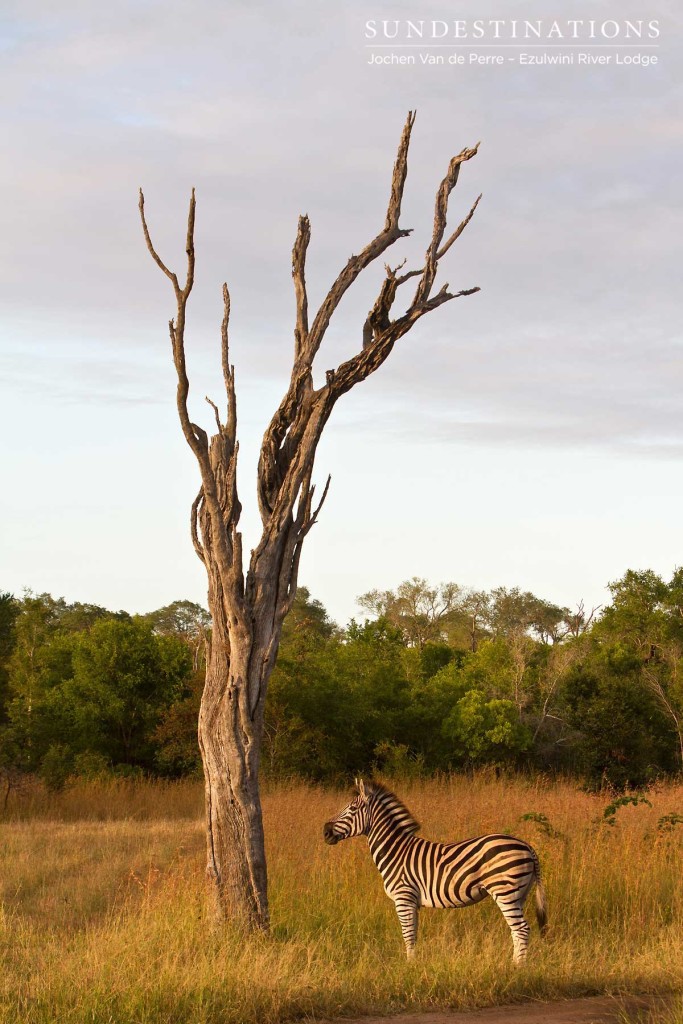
(247, 610)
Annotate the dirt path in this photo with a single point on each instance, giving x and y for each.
(596, 1010)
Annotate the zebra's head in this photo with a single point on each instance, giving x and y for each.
(352, 821)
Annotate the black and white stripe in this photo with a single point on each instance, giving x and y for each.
(418, 873)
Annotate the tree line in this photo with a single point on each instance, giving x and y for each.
(434, 679)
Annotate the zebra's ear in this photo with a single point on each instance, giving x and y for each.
(361, 789)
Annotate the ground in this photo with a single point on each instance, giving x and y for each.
(595, 1010)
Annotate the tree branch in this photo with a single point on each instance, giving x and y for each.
(216, 464)
(440, 215)
(219, 425)
(373, 250)
(194, 514)
(228, 370)
(444, 248)
(303, 237)
(155, 256)
(370, 358)
(313, 516)
(177, 327)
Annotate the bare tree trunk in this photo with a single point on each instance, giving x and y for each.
(236, 860)
(247, 610)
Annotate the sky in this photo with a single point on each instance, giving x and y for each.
(529, 435)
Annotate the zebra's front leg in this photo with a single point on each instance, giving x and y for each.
(406, 908)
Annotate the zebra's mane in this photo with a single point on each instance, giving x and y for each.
(397, 812)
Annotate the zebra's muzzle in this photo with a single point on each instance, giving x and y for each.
(328, 833)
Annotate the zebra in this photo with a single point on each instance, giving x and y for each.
(419, 873)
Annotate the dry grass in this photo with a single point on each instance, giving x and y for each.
(107, 799)
(103, 912)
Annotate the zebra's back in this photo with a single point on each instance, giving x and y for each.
(459, 874)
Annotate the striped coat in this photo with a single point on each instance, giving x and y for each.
(419, 873)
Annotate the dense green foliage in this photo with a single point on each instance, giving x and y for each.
(435, 679)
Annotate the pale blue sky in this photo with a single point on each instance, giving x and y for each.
(529, 435)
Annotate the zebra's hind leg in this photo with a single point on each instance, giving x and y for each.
(406, 908)
(511, 906)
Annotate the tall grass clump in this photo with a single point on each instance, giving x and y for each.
(104, 917)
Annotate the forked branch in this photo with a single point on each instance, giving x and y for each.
(217, 497)
(290, 442)
(374, 249)
(176, 327)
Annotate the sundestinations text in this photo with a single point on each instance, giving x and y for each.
(396, 29)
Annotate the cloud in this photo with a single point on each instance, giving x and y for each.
(270, 112)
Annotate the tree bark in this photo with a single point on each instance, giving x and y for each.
(236, 860)
(247, 611)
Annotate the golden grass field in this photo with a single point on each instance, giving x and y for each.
(103, 915)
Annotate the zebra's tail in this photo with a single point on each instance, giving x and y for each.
(541, 904)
